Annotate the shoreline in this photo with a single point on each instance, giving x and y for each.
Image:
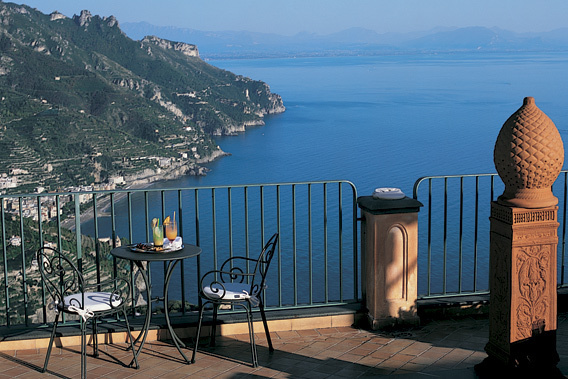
(166, 175)
(173, 173)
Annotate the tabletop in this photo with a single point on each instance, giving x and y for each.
(125, 252)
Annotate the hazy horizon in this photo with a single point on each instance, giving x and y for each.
(323, 16)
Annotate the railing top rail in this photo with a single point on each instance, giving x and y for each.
(424, 178)
(147, 189)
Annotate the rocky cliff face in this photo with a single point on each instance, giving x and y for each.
(83, 19)
(275, 104)
(184, 48)
(56, 16)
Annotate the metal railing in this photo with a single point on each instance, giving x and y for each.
(316, 262)
(454, 232)
(317, 256)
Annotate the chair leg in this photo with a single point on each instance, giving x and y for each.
(83, 349)
(251, 336)
(198, 333)
(261, 308)
(95, 338)
(50, 342)
(134, 362)
(214, 326)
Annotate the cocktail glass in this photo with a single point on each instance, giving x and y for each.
(158, 236)
(171, 230)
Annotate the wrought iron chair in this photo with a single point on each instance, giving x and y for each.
(72, 295)
(233, 284)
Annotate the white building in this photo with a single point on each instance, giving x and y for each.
(15, 241)
(117, 180)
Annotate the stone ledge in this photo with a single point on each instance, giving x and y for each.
(468, 305)
(20, 338)
(453, 306)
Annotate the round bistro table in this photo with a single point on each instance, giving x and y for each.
(172, 258)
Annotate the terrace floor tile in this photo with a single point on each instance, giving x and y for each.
(441, 349)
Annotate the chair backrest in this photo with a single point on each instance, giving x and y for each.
(60, 275)
(262, 264)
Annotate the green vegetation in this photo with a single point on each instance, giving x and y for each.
(23, 255)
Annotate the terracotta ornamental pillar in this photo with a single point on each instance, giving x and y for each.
(389, 258)
(528, 156)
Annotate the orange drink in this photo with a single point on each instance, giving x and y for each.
(171, 230)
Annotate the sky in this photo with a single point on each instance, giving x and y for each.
(288, 17)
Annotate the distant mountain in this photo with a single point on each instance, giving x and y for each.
(558, 37)
(80, 102)
(353, 41)
(479, 38)
(251, 44)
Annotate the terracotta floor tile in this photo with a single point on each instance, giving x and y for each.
(401, 358)
(287, 334)
(361, 351)
(291, 348)
(436, 352)
(341, 347)
(393, 347)
(102, 371)
(401, 342)
(314, 375)
(426, 361)
(265, 372)
(307, 332)
(376, 372)
(321, 345)
(326, 331)
(207, 373)
(382, 354)
(416, 348)
(328, 354)
(298, 370)
(370, 361)
(413, 367)
(347, 357)
(391, 364)
(183, 372)
(15, 371)
(231, 375)
(26, 352)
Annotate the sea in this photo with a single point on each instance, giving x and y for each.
(386, 120)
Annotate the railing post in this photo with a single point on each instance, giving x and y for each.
(389, 272)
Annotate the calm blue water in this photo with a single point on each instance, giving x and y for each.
(384, 121)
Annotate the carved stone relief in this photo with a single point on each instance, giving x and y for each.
(532, 265)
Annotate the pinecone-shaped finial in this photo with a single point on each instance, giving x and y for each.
(528, 156)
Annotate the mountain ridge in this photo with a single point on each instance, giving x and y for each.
(354, 41)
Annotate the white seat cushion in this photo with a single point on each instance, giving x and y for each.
(232, 292)
(94, 301)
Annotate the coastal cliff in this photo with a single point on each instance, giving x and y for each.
(83, 103)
